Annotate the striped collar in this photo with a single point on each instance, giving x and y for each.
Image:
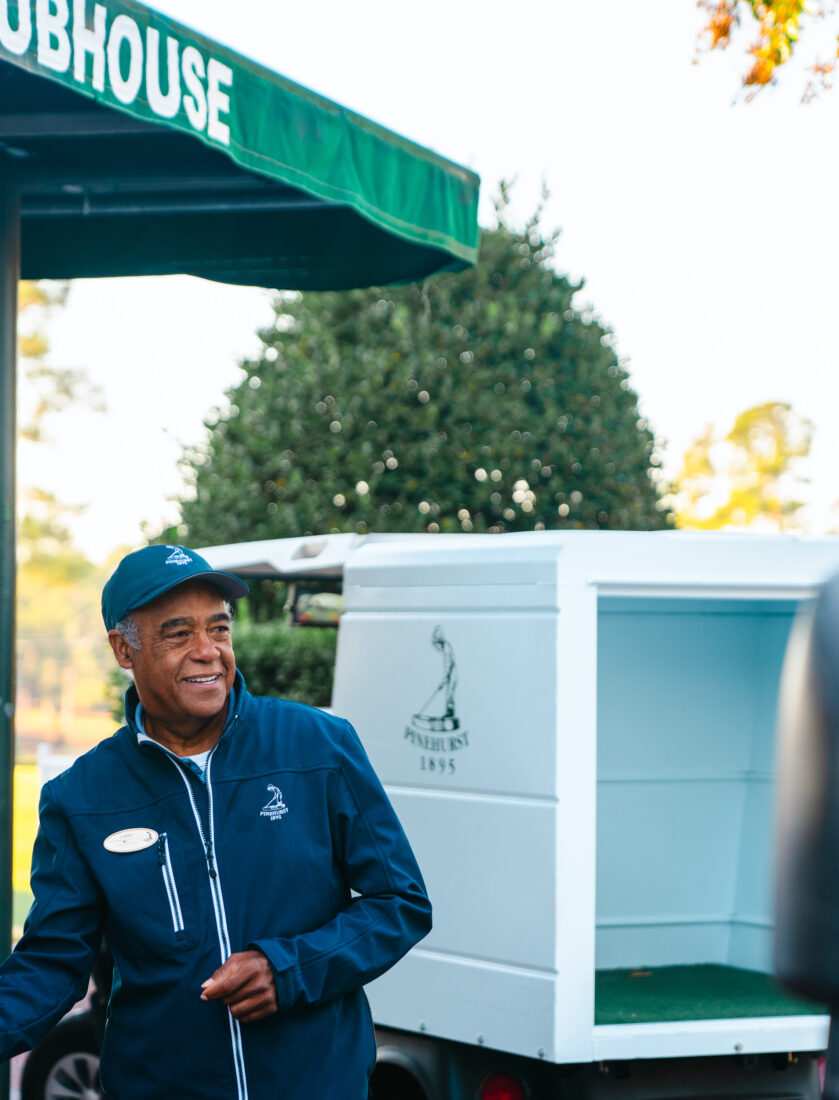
(187, 761)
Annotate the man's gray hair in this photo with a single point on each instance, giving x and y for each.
(130, 630)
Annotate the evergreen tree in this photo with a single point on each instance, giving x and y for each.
(482, 401)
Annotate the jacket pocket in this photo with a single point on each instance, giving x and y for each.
(151, 899)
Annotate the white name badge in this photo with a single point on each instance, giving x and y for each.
(130, 840)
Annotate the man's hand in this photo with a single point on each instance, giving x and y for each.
(245, 983)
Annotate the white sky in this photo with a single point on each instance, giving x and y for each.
(706, 229)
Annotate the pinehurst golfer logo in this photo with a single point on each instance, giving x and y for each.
(276, 807)
(436, 728)
(178, 556)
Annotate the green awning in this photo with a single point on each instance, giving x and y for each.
(142, 147)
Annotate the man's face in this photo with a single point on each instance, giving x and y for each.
(185, 667)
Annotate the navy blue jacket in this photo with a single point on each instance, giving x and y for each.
(290, 845)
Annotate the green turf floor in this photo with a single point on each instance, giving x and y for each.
(708, 992)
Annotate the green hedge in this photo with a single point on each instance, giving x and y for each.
(292, 662)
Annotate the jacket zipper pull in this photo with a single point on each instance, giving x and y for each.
(211, 863)
(161, 850)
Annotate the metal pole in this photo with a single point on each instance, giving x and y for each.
(9, 276)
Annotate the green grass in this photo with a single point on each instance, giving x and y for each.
(25, 826)
(20, 907)
(707, 992)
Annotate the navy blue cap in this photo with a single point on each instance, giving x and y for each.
(146, 574)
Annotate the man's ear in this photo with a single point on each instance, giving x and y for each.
(122, 650)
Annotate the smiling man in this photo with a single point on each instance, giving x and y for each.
(239, 853)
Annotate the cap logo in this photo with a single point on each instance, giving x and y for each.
(177, 557)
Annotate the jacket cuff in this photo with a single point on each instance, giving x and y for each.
(283, 974)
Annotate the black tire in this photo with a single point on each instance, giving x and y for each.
(390, 1082)
(65, 1064)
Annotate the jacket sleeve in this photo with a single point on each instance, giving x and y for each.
(48, 971)
(391, 912)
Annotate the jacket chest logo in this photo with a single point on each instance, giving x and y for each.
(275, 808)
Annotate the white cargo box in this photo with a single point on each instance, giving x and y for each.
(577, 732)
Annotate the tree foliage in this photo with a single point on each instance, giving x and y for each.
(61, 658)
(45, 388)
(749, 477)
(483, 401)
(777, 26)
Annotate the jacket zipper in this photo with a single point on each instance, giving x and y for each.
(218, 908)
(165, 861)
